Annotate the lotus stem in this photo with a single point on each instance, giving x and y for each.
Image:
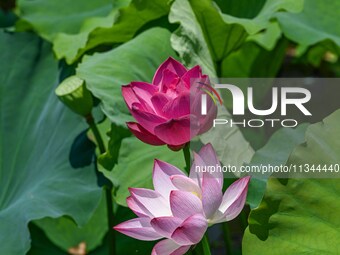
(187, 158)
(108, 189)
(202, 248)
(227, 237)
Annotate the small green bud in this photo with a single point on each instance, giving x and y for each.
(74, 94)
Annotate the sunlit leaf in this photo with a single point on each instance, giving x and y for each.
(275, 153)
(314, 24)
(105, 73)
(84, 25)
(261, 20)
(130, 20)
(44, 15)
(207, 35)
(135, 165)
(301, 216)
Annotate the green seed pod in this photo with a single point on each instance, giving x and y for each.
(74, 94)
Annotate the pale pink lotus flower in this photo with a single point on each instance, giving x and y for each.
(181, 208)
(168, 110)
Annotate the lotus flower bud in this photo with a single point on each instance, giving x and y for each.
(167, 111)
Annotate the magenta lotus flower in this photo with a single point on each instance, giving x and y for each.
(181, 208)
(168, 111)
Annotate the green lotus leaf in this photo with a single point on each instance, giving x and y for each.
(65, 234)
(37, 131)
(210, 31)
(300, 215)
(276, 152)
(314, 24)
(83, 26)
(135, 60)
(135, 166)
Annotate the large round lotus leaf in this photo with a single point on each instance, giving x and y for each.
(301, 216)
(36, 133)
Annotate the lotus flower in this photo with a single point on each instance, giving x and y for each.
(181, 208)
(168, 110)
